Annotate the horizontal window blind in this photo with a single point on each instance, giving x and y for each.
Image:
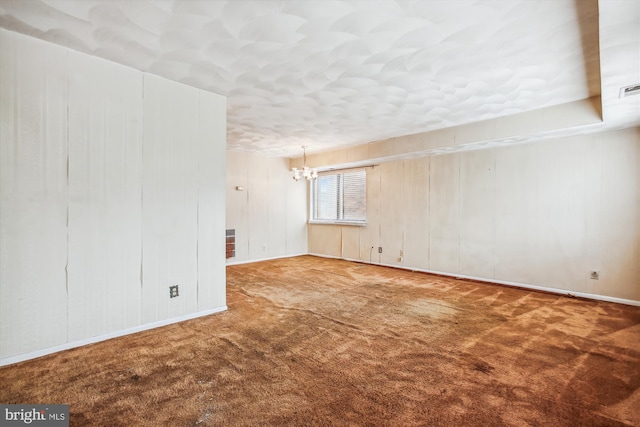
(354, 200)
(327, 197)
(340, 197)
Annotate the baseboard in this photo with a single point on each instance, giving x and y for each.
(39, 353)
(249, 261)
(499, 282)
(337, 257)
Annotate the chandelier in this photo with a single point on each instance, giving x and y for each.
(305, 172)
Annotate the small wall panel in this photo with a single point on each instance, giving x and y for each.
(613, 222)
(297, 211)
(370, 235)
(170, 199)
(415, 190)
(210, 151)
(477, 213)
(279, 177)
(516, 205)
(444, 207)
(237, 206)
(392, 212)
(351, 242)
(327, 239)
(33, 195)
(105, 196)
(258, 215)
(561, 205)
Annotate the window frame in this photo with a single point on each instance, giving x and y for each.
(313, 199)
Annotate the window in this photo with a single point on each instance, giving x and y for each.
(340, 198)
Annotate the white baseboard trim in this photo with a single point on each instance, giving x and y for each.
(337, 257)
(67, 346)
(249, 261)
(500, 282)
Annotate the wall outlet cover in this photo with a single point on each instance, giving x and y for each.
(173, 291)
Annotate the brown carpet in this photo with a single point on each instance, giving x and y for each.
(311, 341)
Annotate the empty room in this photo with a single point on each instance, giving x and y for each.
(320, 212)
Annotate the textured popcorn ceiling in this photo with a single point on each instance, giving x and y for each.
(333, 73)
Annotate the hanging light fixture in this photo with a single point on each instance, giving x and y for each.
(306, 171)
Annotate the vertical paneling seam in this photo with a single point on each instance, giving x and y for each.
(403, 202)
(286, 234)
(66, 268)
(494, 213)
(428, 186)
(246, 212)
(142, 138)
(269, 214)
(458, 206)
(379, 238)
(198, 204)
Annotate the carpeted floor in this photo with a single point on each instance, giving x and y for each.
(312, 341)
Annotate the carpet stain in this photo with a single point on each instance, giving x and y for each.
(348, 344)
(485, 368)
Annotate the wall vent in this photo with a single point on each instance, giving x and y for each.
(231, 243)
(629, 90)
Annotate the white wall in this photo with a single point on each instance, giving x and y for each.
(542, 214)
(33, 195)
(269, 216)
(111, 190)
(104, 184)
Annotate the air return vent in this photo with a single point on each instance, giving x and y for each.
(231, 243)
(629, 90)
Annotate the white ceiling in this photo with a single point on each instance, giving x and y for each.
(334, 73)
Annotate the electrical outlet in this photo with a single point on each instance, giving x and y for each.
(379, 249)
(595, 275)
(173, 291)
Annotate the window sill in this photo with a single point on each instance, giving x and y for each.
(353, 223)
